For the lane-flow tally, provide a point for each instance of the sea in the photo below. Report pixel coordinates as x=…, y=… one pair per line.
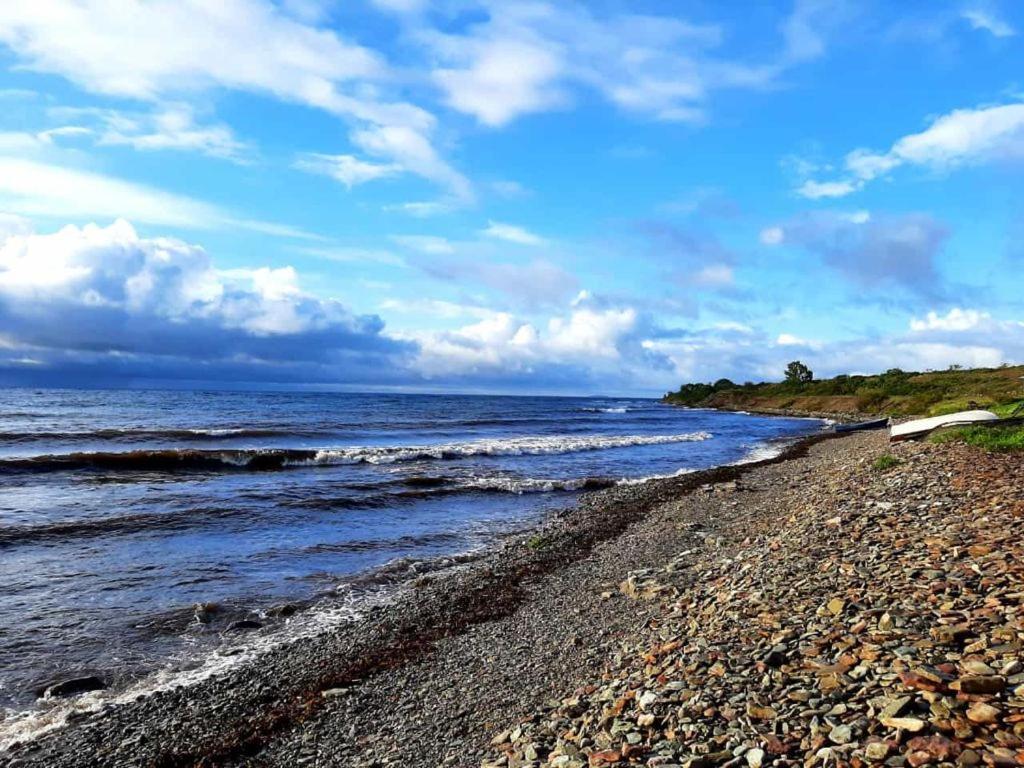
x=121, y=511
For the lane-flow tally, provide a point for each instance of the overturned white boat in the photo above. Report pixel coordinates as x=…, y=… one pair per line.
x=920, y=427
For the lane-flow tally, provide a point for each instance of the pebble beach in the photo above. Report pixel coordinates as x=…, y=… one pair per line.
x=808, y=609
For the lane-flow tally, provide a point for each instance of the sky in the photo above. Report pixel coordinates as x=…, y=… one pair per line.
x=507, y=196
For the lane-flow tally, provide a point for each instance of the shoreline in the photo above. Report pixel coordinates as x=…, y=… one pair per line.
x=838, y=417
x=401, y=631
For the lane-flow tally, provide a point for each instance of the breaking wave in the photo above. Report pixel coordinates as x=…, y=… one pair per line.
x=178, y=460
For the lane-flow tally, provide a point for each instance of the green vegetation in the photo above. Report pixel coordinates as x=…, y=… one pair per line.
x=884, y=462
x=991, y=438
x=798, y=373
x=895, y=392
x=539, y=541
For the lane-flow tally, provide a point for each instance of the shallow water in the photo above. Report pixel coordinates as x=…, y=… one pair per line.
x=119, y=510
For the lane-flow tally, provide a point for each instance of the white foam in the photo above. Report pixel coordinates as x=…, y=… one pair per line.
x=670, y=475
x=51, y=715
x=525, y=484
x=516, y=446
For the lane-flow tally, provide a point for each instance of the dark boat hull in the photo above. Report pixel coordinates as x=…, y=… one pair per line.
x=863, y=425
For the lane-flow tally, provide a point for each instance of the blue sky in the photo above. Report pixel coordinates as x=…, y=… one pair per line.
x=506, y=196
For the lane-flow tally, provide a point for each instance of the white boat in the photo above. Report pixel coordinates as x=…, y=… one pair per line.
x=919, y=427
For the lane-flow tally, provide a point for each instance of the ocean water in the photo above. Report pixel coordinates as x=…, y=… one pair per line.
x=120, y=510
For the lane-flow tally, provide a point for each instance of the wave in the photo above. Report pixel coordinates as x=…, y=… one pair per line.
x=178, y=460
x=536, y=485
x=151, y=434
x=621, y=409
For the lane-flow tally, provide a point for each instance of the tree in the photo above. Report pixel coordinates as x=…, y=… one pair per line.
x=798, y=373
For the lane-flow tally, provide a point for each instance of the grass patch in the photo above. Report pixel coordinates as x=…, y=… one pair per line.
x=539, y=541
x=1007, y=409
x=884, y=462
x=990, y=438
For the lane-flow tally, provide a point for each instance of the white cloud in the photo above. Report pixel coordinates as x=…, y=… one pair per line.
x=772, y=235
x=791, y=340
x=144, y=50
x=95, y=271
x=511, y=233
x=961, y=137
x=429, y=244
x=814, y=190
x=172, y=127
x=502, y=79
x=526, y=57
x=347, y=169
x=985, y=20
x=32, y=189
x=164, y=49
x=955, y=320
x=401, y=6
x=410, y=149
x=37, y=189
x=353, y=255
x=509, y=189
x=714, y=276
x=423, y=209
x=588, y=340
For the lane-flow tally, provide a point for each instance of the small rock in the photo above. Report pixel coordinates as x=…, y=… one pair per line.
x=911, y=724
x=755, y=757
x=982, y=713
x=74, y=687
x=841, y=734
x=243, y=624
x=877, y=751
x=981, y=684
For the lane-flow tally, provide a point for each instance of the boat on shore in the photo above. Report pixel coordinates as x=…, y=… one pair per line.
x=911, y=430
x=861, y=426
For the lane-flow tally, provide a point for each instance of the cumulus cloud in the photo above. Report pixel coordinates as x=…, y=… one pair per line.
x=962, y=337
x=955, y=320
x=108, y=297
x=588, y=344
x=961, y=137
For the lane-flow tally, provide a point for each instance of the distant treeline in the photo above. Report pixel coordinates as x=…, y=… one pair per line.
x=895, y=391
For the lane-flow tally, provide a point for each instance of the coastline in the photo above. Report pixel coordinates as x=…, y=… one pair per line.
x=806, y=609
x=839, y=417
x=403, y=629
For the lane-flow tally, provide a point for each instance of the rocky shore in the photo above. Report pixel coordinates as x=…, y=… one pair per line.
x=854, y=616
x=806, y=609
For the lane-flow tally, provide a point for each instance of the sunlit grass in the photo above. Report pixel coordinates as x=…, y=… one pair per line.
x=989, y=438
